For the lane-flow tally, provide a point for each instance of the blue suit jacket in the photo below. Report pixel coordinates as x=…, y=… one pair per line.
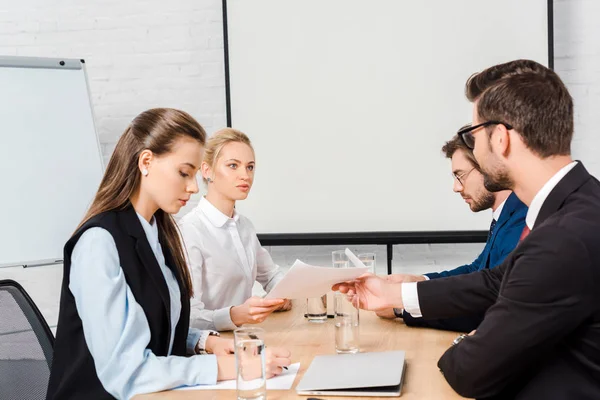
x=504, y=239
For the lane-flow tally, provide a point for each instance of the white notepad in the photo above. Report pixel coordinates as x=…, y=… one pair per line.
x=279, y=382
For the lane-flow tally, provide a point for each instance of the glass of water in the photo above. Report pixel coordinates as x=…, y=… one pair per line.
x=346, y=327
x=316, y=309
x=339, y=259
x=369, y=260
x=250, y=363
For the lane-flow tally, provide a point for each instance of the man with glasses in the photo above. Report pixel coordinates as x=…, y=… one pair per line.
x=508, y=220
x=540, y=337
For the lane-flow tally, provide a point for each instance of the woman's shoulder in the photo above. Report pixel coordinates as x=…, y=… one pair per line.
x=96, y=236
x=192, y=225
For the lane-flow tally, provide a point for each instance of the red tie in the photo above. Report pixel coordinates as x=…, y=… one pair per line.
x=524, y=233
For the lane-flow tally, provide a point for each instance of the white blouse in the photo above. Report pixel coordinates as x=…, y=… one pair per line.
x=225, y=258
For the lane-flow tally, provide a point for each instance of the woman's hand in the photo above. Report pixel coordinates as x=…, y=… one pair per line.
x=254, y=310
x=219, y=346
x=287, y=306
x=275, y=359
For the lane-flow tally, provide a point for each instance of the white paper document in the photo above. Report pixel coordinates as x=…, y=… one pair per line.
x=280, y=382
x=355, y=260
x=303, y=280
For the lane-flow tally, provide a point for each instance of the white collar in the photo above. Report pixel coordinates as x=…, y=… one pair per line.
x=214, y=215
x=540, y=197
x=498, y=210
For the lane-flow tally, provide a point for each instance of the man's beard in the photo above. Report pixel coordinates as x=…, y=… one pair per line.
x=498, y=183
x=486, y=201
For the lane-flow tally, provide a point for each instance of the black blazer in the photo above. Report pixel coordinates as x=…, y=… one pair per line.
x=73, y=374
x=540, y=338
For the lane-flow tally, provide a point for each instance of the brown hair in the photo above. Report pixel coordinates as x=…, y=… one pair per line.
x=531, y=98
x=156, y=130
x=219, y=139
x=456, y=143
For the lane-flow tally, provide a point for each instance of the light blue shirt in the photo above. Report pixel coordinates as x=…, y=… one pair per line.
x=115, y=327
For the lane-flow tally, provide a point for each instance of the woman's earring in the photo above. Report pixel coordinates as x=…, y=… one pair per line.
x=208, y=180
x=145, y=172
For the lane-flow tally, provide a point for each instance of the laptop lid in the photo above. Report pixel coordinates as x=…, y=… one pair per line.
x=362, y=374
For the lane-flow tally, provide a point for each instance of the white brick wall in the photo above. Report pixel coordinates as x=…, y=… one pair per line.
x=139, y=54
x=148, y=53
x=577, y=60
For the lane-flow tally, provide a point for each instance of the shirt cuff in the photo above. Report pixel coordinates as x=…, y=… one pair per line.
x=222, y=320
x=426, y=277
x=192, y=339
x=410, y=299
x=206, y=364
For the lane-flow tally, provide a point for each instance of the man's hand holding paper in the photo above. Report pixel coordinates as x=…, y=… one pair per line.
x=303, y=280
x=371, y=292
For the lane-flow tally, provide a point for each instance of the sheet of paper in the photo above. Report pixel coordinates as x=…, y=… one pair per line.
x=280, y=382
x=303, y=280
x=355, y=260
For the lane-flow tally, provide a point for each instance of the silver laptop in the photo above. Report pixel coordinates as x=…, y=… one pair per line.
x=362, y=374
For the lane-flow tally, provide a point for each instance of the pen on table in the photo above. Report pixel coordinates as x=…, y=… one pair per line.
x=254, y=337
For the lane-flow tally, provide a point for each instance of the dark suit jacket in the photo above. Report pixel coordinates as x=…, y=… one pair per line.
x=540, y=338
x=503, y=240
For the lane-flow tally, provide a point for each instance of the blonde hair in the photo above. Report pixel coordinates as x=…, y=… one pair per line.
x=218, y=140
x=157, y=130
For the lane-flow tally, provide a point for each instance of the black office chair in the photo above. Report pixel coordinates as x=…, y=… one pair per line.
x=26, y=345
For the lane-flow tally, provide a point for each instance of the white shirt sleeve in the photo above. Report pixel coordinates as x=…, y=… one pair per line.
x=200, y=317
x=267, y=272
x=116, y=329
x=410, y=299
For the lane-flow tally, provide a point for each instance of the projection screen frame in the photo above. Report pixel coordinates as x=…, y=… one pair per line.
x=368, y=238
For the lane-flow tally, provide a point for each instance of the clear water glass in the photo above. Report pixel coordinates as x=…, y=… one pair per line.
x=250, y=363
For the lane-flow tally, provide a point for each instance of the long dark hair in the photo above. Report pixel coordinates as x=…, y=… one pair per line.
x=155, y=130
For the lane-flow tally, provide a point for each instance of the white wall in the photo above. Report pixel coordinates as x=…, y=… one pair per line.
x=149, y=53
x=577, y=60
x=139, y=53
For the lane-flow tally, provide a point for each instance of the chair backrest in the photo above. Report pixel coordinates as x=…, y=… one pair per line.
x=26, y=345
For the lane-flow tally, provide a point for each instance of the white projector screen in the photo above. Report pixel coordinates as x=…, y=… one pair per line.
x=348, y=103
x=50, y=162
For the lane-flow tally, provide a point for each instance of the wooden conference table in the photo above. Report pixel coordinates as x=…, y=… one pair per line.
x=423, y=347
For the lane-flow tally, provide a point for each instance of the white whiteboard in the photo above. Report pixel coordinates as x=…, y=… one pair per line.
x=50, y=162
x=348, y=103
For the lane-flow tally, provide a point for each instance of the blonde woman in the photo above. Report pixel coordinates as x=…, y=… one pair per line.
x=123, y=325
x=224, y=253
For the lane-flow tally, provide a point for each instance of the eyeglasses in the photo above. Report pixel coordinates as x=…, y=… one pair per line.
x=466, y=134
x=462, y=177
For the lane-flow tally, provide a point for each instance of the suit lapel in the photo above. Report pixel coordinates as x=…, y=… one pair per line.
x=170, y=261
x=512, y=203
x=567, y=185
x=507, y=212
x=144, y=251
